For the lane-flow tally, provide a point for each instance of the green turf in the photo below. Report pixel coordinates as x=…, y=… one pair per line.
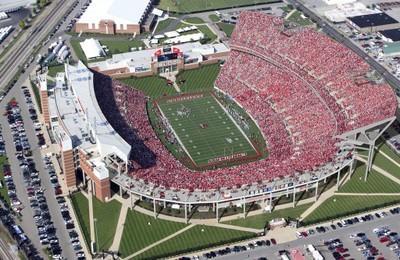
x=384, y=148
x=194, y=239
x=187, y=6
x=286, y=8
x=220, y=138
x=152, y=86
x=296, y=18
x=341, y=206
x=161, y=25
x=53, y=70
x=81, y=208
x=260, y=221
x=78, y=50
x=207, y=32
x=227, y=28
x=107, y=214
x=194, y=20
x=116, y=47
x=384, y=163
x=199, y=79
x=139, y=234
x=214, y=18
x=376, y=183
x=3, y=191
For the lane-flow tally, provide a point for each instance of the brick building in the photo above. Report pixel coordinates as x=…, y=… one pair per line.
x=161, y=60
x=88, y=144
x=115, y=17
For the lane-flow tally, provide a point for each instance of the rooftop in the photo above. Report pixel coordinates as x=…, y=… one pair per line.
x=371, y=20
x=393, y=34
x=120, y=11
x=392, y=47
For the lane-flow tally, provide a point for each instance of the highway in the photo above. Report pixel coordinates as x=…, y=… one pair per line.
x=32, y=37
x=333, y=32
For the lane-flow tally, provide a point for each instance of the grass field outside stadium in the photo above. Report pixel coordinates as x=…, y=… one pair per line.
x=205, y=130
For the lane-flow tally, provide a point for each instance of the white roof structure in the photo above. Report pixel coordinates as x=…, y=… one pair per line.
x=157, y=12
x=107, y=139
x=172, y=34
x=138, y=60
x=92, y=48
x=185, y=38
x=336, y=2
x=120, y=11
x=12, y=5
x=348, y=10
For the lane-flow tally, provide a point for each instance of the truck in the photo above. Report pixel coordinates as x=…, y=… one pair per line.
x=57, y=48
x=49, y=59
x=51, y=47
x=64, y=55
x=63, y=48
x=39, y=59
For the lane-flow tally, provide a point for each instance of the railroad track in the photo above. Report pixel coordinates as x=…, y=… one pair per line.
x=11, y=63
x=5, y=251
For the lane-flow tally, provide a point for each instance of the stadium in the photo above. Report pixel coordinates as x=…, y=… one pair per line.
x=315, y=103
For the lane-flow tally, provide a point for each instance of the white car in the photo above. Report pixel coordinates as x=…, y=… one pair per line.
x=395, y=247
x=376, y=230
x=299, y=235
x=353, y=236
x=361, y=248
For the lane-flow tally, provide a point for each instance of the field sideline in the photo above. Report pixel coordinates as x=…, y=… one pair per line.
x=205, y=130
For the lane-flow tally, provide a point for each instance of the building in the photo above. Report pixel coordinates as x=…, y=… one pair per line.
x=391, y=49
x=92, y=49
x=161, y=60
x=336, y=2
x=87, y=143
x=339, y=14
x=115, y=17
x=390, y=35
x=8, y=6
x=372, y=22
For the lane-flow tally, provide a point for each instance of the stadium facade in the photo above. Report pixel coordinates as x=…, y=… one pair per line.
x=161, y=60
x=314, y=119
x=115, y=17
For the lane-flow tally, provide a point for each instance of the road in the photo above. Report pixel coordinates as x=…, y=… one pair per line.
x=31, y=38
x=331, y=31
x=317, y=240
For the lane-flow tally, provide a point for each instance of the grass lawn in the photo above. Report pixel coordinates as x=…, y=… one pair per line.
x=376, y=183
x=214, y=18
x=3, y=191
x=153, y=86
x=81, y=207
x=195, y=239
x=199, y=79
x=220, y=137
x=37, y=96
x=139, y=234
x=186, y=6
x=116, y=47
x=286, y=8
x=194, y=20
x=384, y=148
x=207, y=32
x=260, y=221
x=341, y=206
x=227, y=28
x=163, y=24
x=78, y=50
x=387, y=165
x=53, y=70
x=296, y=18
x=107, y=214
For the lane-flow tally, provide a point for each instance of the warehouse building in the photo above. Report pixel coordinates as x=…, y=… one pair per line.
x=116, y=17
x=390, y=35
x=8, y=6
x=391, y=49
x=372, y=22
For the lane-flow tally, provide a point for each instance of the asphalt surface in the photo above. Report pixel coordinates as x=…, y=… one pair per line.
x=392, y=221
x=32, y=38
x=28, y=223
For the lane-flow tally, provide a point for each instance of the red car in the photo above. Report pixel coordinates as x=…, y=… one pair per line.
x=383, y=239
x=304, y=234
x=57, y=191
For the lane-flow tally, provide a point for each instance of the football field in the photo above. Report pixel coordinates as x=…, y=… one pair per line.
x=205, y=130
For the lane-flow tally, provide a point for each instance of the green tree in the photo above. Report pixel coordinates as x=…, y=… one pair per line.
x=43, y=2
x=22, y=24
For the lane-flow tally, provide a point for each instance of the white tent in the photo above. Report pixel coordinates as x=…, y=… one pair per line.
x=92, y=48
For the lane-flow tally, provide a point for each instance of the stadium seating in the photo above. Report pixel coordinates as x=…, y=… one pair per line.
x=295, y=85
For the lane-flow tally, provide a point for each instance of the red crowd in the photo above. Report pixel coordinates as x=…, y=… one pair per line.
x=295, y=85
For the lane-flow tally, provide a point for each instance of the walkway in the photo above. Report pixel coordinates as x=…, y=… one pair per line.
x=380, y=170
x=119, y=229
x=322, y=197
x=160, y=241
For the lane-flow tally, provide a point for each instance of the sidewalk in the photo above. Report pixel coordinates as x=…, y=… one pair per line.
x=160, y=241
x=119, y=229
x=381, y=171
x=322, y=197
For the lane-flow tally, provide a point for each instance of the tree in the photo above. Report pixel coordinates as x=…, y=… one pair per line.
x=43, y=2
x=22, y=24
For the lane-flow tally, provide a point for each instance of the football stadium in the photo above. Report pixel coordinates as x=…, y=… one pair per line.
x=314, y=102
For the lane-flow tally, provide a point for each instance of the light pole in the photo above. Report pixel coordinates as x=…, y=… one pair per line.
x=95, y=232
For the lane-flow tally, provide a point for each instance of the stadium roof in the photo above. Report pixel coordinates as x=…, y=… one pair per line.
x=107, y=139
x=92, y=48
x=370, y=20
x=393, y=34
x=120, y=11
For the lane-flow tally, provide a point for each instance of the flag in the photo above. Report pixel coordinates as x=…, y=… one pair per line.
x=158, y=53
